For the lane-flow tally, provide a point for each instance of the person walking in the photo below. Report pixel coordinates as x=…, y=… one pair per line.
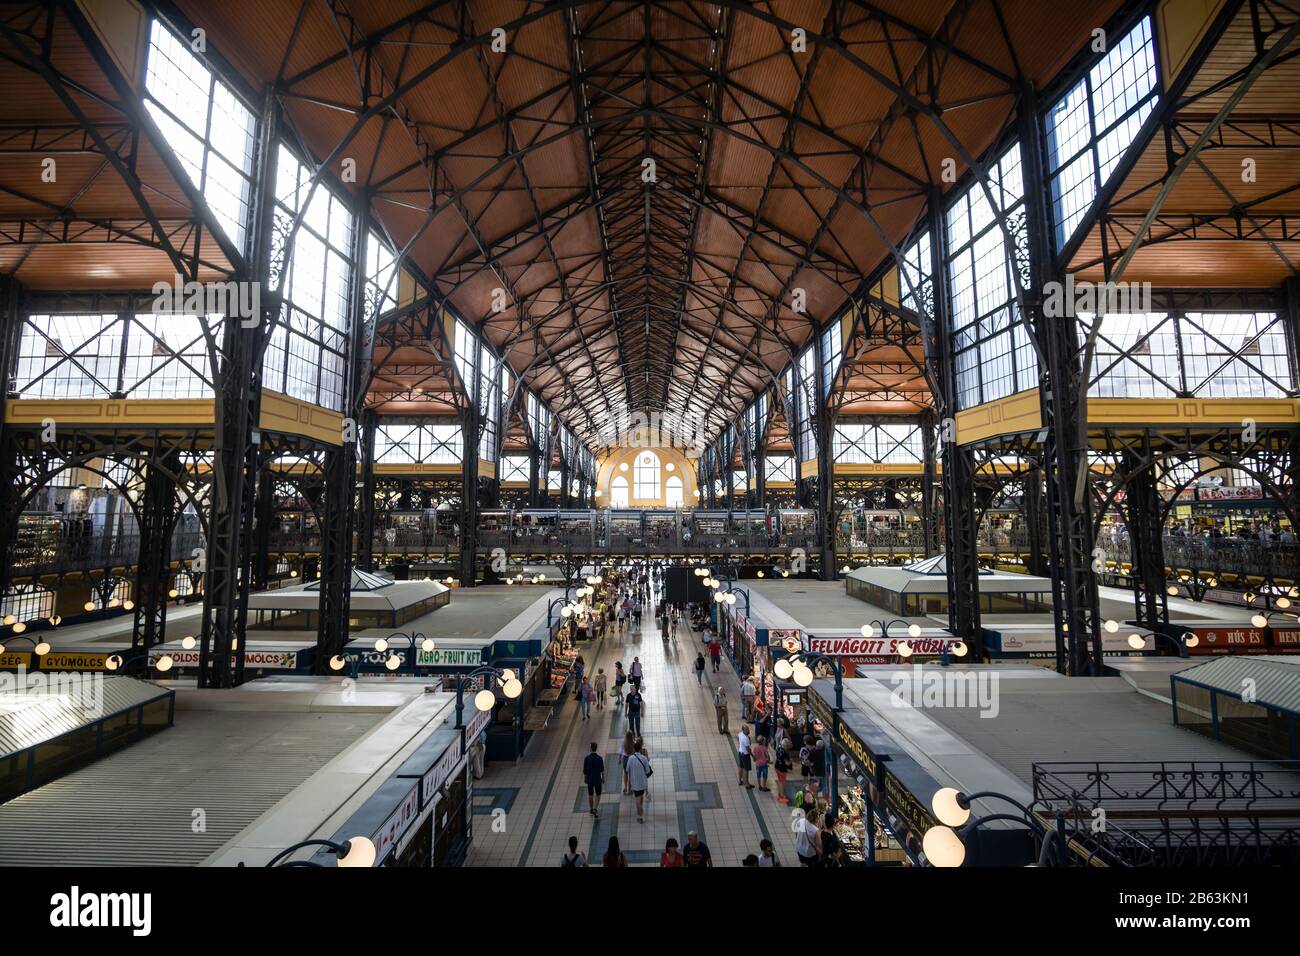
x=579, y=672
x=699, y=669
x=613, y=854
x=782, y=763
x=806, y=836
x=696, y=851
x=593, y=771
x=720, y=706
x=747, y=699
x=620, y=679
x=715, y=654
x=634, y=673
x=627, y=749
x=602, y=684
x=633, y=707
x=761, y=757
x=744, y=759
x=639, y=772
x=767, y=855
x=587, y=694
x=671, y=856
x=573, y=857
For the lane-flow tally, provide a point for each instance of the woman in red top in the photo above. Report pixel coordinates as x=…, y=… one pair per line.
x=671, y=855
x=761, y=756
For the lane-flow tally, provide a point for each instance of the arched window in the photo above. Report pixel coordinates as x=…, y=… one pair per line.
x=647, y=476
x=673, y=494
x=618, y=492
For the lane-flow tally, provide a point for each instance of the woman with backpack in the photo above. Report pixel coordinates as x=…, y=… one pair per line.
x=573, y=857
x=619, y=680
x=781, y=764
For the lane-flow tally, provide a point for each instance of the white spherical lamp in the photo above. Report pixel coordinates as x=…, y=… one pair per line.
x=485, y=700
x=360, y=854
x=947, y=807
x=943, y=847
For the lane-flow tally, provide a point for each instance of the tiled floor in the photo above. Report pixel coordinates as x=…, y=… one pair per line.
x=693, y=786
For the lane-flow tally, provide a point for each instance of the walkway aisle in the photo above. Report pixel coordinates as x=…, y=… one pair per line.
x=693, y=787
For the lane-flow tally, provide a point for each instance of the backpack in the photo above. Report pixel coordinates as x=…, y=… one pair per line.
x=805, y=756
x=567, y=860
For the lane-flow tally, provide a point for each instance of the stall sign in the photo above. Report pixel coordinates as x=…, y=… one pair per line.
x=1228, y=493
x=822, y=710
x=269, y=660
x=1286, y=637
x=397, y=823
x=476, y=725
x=779, y=636
x=856, y=749
x=12, y=660
x=868, y=646
x=900, y=800
x=72, y=661
x=443, y=770
x=450, y=657
x=1228, y=640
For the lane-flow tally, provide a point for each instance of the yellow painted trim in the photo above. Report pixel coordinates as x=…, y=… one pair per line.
x=487, y=469
x=114, y=412
x=808, y=469
x=1020, y=412
x=879, y=468
x=292, y=416
x=1180, y=25
x=1193, y=411
x=398, y=468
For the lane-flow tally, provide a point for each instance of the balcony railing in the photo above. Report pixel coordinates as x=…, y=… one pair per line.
x=51, y=552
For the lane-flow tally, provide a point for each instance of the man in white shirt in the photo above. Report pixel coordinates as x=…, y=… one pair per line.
x=744, y=759
x=638, y=778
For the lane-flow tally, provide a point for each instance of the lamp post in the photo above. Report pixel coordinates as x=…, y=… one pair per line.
x=39, y=647
x=945, y=844
x=486, y=698
x=353, y=853
x=904, y=649
x=1181, y=643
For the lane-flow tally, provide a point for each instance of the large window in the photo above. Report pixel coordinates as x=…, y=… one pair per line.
x=1095, y=123
x=381, y=275
x=205, y=124
x=806, y=405
x=81, y=356
x=489, y=403
x=69, y=356
x=914, y=276
x=646, y=476
x=618, y=496
x=780, y=468
x=993, y=352
x=514, y=468
x=863, y=443
x=306, y=355
x=417, y=443
x=1206, y=354
x=674, y=496
x=832, y=353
